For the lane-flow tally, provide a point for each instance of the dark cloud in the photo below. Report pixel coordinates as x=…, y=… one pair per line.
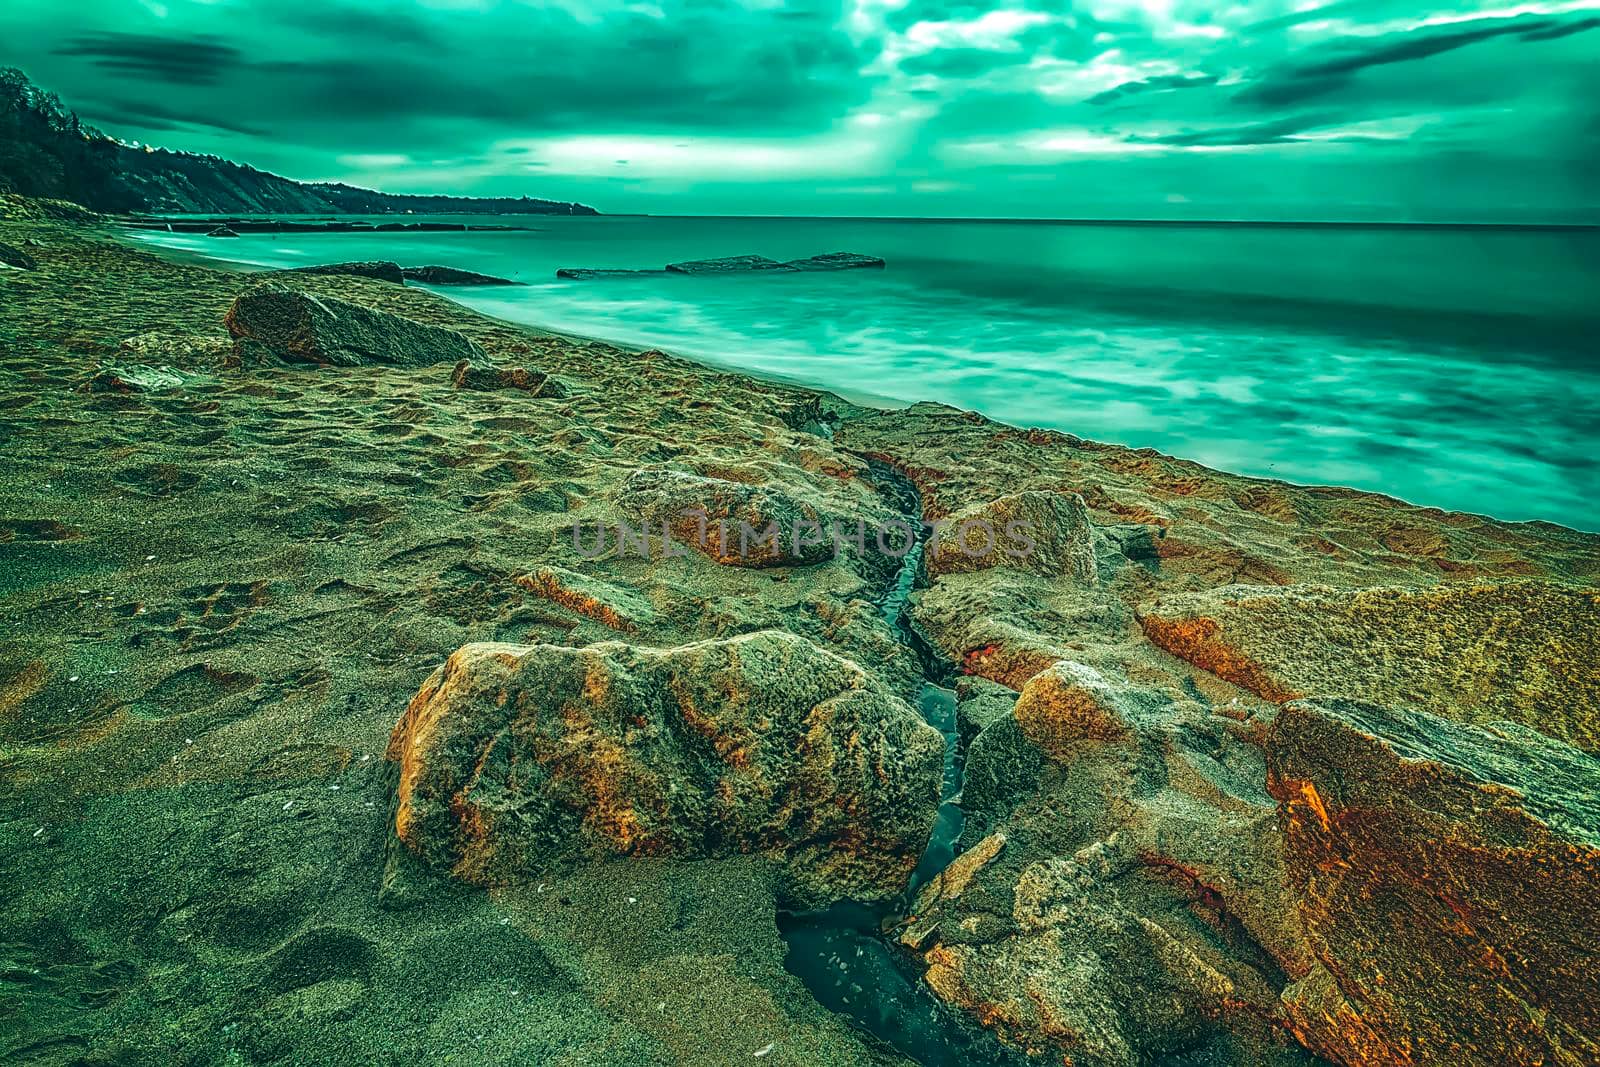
x=1277, y=131
x=1164, y=84
x=1303, y=80
x=176, y=61
x=155, y=117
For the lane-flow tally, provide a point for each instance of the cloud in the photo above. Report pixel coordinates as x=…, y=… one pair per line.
x=1299, y=80
x=1163, y=84
x=187, y=61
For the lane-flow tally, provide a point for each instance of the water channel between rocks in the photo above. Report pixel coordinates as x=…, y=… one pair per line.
x=842, y=954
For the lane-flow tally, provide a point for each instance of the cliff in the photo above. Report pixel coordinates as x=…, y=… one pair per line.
x=46, y=151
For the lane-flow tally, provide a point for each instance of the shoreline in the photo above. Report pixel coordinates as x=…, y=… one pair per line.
x=856, y=398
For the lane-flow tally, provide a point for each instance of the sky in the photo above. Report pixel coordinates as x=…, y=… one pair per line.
x=976, y=108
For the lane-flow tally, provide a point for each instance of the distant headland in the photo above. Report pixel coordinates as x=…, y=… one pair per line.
x=61, y=157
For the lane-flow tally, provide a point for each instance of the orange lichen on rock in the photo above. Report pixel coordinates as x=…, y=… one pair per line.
x=1200, y=642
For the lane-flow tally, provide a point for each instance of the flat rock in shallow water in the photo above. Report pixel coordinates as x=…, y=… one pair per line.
x=586, y=274
x=729, y=265
x=1446, y=877
x=515, y=759
x=330, y=332
x=434, y=275
x=382, y=270
x=836, y=261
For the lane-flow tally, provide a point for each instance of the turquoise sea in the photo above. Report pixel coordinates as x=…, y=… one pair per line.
x=1452, y=367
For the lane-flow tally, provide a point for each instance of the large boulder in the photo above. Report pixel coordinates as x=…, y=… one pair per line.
x=1447, y=879
x=516, y=759
x=381, y=269
x=327, y=331
x=1045, y=533
x=1121, y=900
x=1471, y=652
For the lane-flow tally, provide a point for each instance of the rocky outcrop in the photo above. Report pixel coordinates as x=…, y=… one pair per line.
x=732, y=265
x=15, y=258
x=516, y=759
x=1122, y=897
x=1446, y=880
x=1470, y=652
x=1062, y=957
x=435, y=275
x=1046, y=533
x=836, y=261
x=470, y=375
x=729, y=265
x=585, y=274
x=380, y=269
x=276, y=322
x=737, y=524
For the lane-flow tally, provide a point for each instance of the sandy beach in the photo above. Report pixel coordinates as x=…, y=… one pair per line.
x=224, y=584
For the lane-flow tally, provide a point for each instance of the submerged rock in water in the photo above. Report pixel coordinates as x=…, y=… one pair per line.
x=1470, y=652
x=836, y=261
x=517, y=758
x=330, y=332
x=1447, y=882
x=16, y=258
x=470, y=375
x=382, y=270
x=729, y=265
x=435, y=275
x=595, y=273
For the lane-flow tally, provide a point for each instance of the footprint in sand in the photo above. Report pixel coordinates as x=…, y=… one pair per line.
x=192, y=689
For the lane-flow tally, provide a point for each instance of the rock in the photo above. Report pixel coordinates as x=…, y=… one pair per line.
x=139, y=378
x=1468, y=652
x=327, y=331
x=223, y=231
x=1144, y=822
x=623, y=610
x=178, y=349
x=470, y=375
x=382, y=270
x=1045, y=533
x=836, y=261
x=729, y=265
x=979, y=704
x=734, y=523
x=433, y=275
x=515, y=759
x=1059, y=958
x=594, y=274
x=1447, y=883
x=15, y=258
